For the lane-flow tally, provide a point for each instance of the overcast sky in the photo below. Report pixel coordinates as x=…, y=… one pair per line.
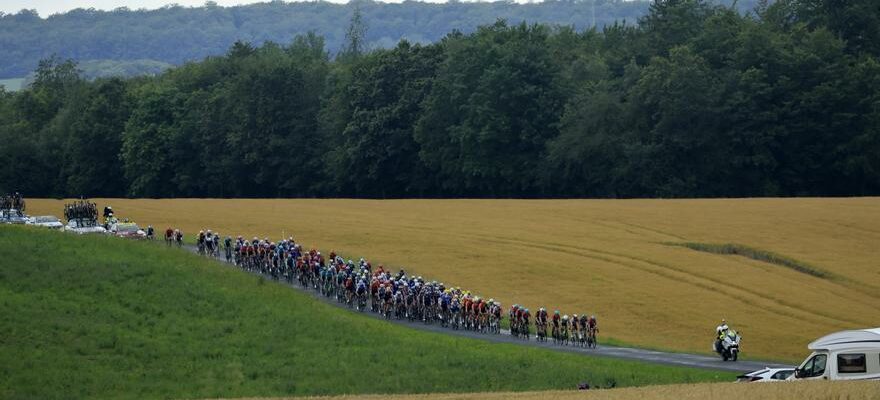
x=48, y=7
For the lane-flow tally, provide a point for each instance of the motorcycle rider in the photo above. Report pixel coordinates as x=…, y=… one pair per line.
x=720, y=331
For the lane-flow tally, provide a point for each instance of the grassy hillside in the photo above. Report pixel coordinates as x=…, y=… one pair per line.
x=624, y=260
x=97, y=317
x=784, y=391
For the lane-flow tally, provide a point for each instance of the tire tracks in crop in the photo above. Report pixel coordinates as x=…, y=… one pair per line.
x=667, y=271
x=624, y=353
x=701, y=281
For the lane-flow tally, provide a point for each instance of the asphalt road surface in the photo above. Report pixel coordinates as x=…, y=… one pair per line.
x=626, y=353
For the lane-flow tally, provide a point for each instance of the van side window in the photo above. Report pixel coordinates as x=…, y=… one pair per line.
x=851, y=363
x=815, y=367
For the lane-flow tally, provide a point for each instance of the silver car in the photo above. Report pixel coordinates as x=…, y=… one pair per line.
x=12, y=216
x=84, y=226
x=46, y=221
x=766, y=375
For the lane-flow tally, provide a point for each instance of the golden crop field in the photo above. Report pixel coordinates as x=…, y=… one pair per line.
x=611, y=258
x=815, y=390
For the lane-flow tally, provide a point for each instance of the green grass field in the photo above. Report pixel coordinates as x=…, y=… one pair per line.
x=99, y=317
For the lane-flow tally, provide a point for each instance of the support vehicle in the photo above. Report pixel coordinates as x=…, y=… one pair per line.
x=46, y=221
x=12, y=216
x=82, y=226
x=845, y=355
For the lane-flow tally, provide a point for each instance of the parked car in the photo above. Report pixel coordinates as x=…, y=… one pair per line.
x=84, y=226
x=46, y=221
x=766, y=375
x=845, y=355
x=12, y=216
x=127, y=230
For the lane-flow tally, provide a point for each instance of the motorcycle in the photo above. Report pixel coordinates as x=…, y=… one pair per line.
x=728, y=345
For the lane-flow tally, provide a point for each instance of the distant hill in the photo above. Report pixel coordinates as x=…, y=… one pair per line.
x=176, y=34
x=94, y=69
x=12, y=84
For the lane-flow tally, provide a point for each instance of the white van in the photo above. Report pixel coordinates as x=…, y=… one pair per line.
x=843, y=355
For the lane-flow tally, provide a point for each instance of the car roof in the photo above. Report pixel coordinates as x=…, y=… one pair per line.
x=767, y=370
x=847, y=339
x=758, y=372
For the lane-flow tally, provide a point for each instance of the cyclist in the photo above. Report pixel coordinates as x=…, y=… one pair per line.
x=228, y=247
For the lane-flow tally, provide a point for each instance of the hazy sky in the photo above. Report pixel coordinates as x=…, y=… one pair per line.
x=48, y=7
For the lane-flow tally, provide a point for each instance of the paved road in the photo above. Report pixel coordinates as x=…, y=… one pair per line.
x=626, y=353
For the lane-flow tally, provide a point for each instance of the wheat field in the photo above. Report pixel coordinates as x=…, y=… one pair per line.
x=815, y=390
x=618, y=259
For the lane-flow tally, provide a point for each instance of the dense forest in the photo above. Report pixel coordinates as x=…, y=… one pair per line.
x=695, y=100
x=176, y=34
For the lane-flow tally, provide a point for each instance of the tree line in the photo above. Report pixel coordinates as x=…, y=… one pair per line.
x=695, y=100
